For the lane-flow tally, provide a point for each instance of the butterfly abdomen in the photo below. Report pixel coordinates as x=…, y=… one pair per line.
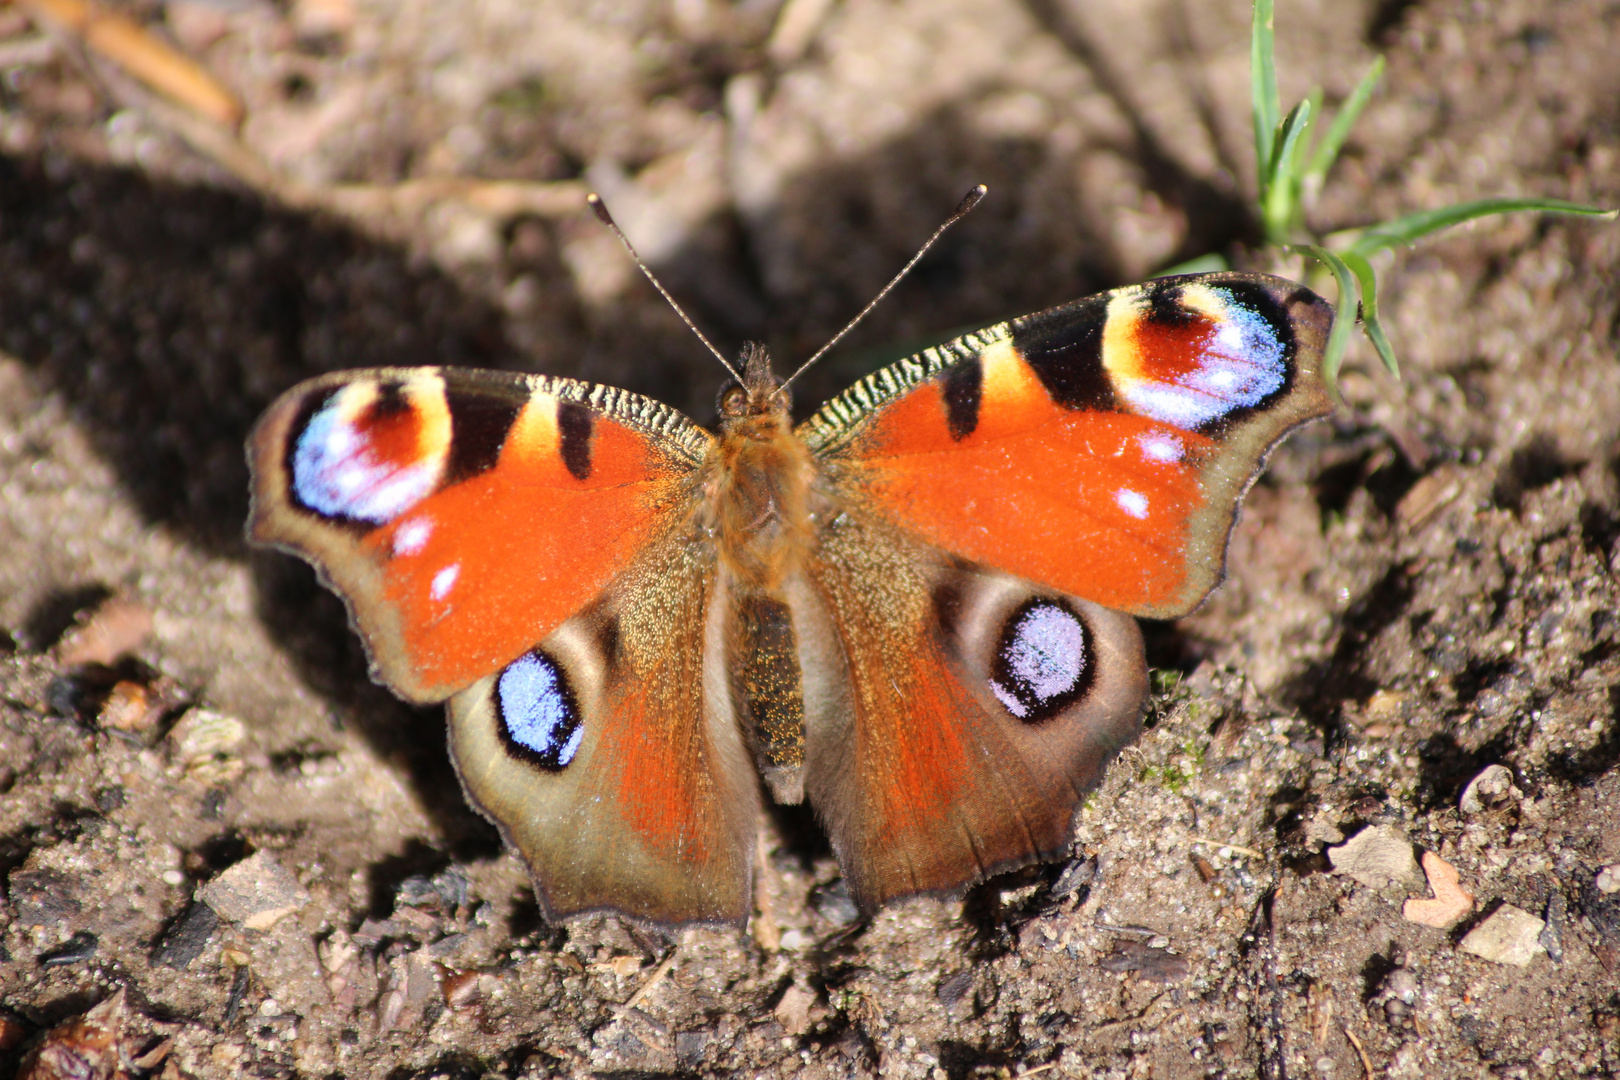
x=767, y=689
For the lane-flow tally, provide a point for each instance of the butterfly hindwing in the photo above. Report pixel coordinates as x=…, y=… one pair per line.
x=955, y=716
x=1101, y=447
x=609, y=757
x=463, y=515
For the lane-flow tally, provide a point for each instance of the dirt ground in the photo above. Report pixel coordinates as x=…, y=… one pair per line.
x=1420, y=588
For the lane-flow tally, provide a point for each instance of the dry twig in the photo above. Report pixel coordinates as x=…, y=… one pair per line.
x=136, y=50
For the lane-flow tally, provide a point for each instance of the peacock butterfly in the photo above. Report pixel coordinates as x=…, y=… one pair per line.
x=915, y=609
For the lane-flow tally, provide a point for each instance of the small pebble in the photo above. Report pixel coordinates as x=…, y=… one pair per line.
x=186, y=937
x=793, y=1011
x=955, y=988
x=1509, y=936
x=1552, y=935
x=1491, y=789
x=203, y=733
x=256, y=892
x=833, y=903
x=1075, y=876
x=1402, y=984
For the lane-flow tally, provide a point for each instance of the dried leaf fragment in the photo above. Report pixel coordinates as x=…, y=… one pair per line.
x=1451, y=901
x=83, y=1048
x=1376, y=856
x=1509, y=936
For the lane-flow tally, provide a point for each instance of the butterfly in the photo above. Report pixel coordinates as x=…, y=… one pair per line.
x=915, y=609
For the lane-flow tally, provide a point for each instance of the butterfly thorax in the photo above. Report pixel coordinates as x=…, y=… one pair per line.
x=758, y=486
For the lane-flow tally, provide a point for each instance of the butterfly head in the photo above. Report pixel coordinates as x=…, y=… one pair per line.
x=757, y=403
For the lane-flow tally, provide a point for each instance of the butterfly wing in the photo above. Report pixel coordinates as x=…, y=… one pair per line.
x=525, y=547
x=1101, y=447
x=955, y=716
x=464, y=515
x=1076, y=464
x=609, y=757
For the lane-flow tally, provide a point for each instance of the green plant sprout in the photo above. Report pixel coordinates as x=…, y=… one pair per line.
x=1292, y=163
x=1172, y=775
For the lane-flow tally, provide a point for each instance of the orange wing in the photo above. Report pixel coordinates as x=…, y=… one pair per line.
x=464, y=515
x=954, y=716
x=609, y=758
x=1101, y=447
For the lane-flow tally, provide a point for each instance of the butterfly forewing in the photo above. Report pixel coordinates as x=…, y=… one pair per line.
x=1101, y=447
x=463, y=515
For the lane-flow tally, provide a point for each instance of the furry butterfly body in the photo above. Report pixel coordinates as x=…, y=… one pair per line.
x=914, y=609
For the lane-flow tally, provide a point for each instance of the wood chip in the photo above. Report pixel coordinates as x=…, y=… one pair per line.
x=796, y=27
x=1426, y=498
x=129, y=45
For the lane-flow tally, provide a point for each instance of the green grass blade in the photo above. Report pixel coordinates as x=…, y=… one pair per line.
x=1327, y=151
x=1263, y=87
x=1311, y=135
x=1405, y=230
x=1363, y=270
x=1344, y=315
x=1202, y=264
x=1281, y=185
x=1303, y=189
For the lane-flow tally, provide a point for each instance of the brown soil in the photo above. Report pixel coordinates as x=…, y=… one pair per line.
x=1421, y=587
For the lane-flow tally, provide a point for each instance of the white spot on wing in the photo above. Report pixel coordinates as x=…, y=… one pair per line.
x=1161, y=447
x=1133, y=503
x=444, y=581
x=1007, y=698
x=1042, y=658
x=537, y=712
x=411, y=537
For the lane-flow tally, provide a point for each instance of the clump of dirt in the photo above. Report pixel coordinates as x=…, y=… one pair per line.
x=210, y=809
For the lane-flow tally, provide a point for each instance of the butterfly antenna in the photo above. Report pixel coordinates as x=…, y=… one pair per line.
x=969, y=201
x=599, y=208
